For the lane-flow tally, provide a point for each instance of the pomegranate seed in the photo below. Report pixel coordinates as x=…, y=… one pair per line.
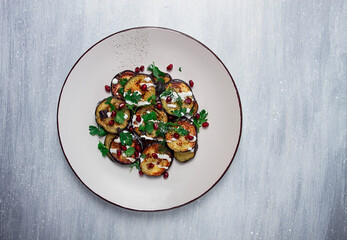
x=138, y=148
x=190, y=137
x=169, y=67
x=137, y=69
x=124, y=148
x=176, y=135
x=131, y=129
x=197, y=116
x=155, y=126
x=119, y=153
x=121, y=105
x=107, y=88
x=113, y=114
x=154, y=155
x=168, y=99
x=188, y=100
x=144, y=87
x=150, y=165
x=142, y=68
x=137, y=154
x=205, y=124
x=166, y=175
x=159, y=106
x=140, y=173
x=111, y=122
x=138, y=118
x=191, y=83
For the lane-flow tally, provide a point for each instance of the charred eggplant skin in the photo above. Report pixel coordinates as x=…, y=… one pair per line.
x=104, y=122
x=156, y=166
x=185, y=156
x=107, y=142
x=182, y=144
x=115, y=85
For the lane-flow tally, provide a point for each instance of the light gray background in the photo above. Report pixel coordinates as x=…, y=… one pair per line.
x=289, y=62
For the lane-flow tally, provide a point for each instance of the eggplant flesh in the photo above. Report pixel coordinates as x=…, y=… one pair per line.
x=135, y=84
x=115, y=85
x=105, y=122
x=182, y=144
x=152, y=166
x=186, y=156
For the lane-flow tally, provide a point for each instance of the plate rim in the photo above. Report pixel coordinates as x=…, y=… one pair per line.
x=197, y=41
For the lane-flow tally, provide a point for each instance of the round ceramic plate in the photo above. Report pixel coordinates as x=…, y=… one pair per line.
x=214, y=90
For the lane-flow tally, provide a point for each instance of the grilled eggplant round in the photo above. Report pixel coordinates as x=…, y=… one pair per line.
x=180, y=94
x=155, y=165
x=107, y=142
x=118, y=154
x=115, y=84
x=103, y=115
x=160, y=115
x=136, y=83
x=167, y=78
x=185, y=156
x=182, y=143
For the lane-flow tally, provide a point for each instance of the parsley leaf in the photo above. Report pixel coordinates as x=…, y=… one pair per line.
x=108, y=102
x=149, y=116
x=97, y=131
x=132, y=108
x=152, y=99
x=201, y=120
x=149, y=127
x=156, y=72
x=180, y=69
x=167, y=92
x=181, y=131
x=133, y=97
x=103, y=149
x=135, y=164
x=121, y=91
x=130, y=151
x=179, y=112
x=162, y=147
x=126, y=138
x=123, y=81
x=142, y=128
x=120, y=117
x=143, y=155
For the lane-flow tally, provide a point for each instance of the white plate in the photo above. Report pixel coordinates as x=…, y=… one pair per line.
x=214, y=90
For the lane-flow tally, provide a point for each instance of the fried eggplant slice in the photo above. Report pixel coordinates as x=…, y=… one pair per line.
x=136, y=94
x=186, y=156
x=112, y=122
x=177, y=98
x=182, y=143
x=116, y=85
x=155, y=159
x=150, y=115
x=125, y=153
x=107, y=142
x=167, y=78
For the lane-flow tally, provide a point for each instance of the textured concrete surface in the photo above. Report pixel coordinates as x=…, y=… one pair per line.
x=288, y=180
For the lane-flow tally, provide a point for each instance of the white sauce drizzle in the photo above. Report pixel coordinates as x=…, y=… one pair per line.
x=125, y=116
x=164, y=156
x=147, y=79
x=109, y=114
x=117, y=140
x=193, y=140
x=114, y=81
x=135, y=123
x=148, y=138
x=172, y=105
x=148, y=84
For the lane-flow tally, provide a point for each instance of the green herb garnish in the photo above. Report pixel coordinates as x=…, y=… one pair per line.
x=97, y=131
x=120, y=117
x=103, y=149
x=108, y=102
x=181, y=131
x=143, y=155
x=149, y=116
x=130, y=151
x=135, y=164
x=151, y=99
x=180, y=69
x=133, y=97
x=121, y=91
x=149, y=127
x=156, y=72
x=126, y=138
x=201, y=120
x=123, y=81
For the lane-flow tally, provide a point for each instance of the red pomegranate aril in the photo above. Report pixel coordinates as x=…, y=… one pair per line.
x=144, y=87
x=137, y=154
x=140, y=173
x=197, y=116
x=142, y=68
x=190, y=137
x=191, y=83
x=154, y=155
x=188, y=100
x=168, y=99
x=121, y=105
x=169, y=67
x=166, y=175
x=119, y=153
x=111, y=123
x=205, y=124
x=113, y=114
x=107, y=88
x=124, y=148
x=176, y=135
x=138, y=118
x=155, y=126
x=131, y=129
x=159, y=106
x=137, y=69
x=150, y=165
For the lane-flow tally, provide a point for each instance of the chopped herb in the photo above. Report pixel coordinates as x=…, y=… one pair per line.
x=136, y=165
x=149, y=127
x=142, y=128
x=133, y=97
x=108, y=102
x=179, y=112
x=143, y=155
x=126, y=138
x=201, y=120
x=162, y=148
x=181, y=131
x=167, y=92
x=130, y=151
x=180, y=69
x=123, y=81
x=152, y=99
x=149, y=116
x=156, y=72
x=120, y=117
x=97, y=131
x=103, y=149
x=132, y=108
x=121, y=91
